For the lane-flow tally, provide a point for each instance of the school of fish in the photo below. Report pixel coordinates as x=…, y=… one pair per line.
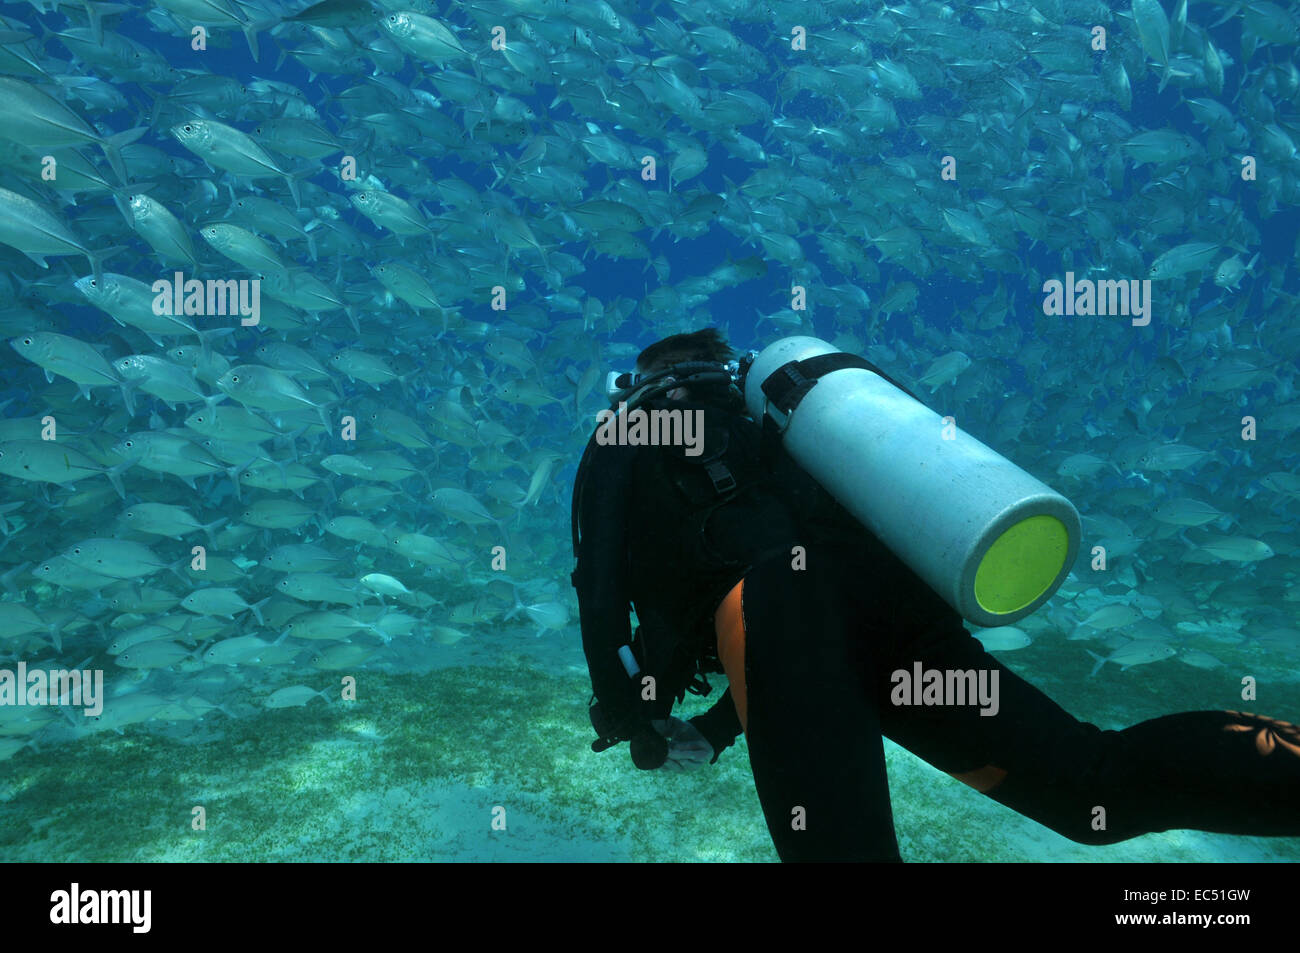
x=228, y=515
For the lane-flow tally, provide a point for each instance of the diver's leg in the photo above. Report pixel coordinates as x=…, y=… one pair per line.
x=814, y=739
x=1226, y=772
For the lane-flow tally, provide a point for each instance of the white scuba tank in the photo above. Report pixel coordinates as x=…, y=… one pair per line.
x=989, y=538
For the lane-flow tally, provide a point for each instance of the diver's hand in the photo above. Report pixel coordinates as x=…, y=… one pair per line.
x=687, y=748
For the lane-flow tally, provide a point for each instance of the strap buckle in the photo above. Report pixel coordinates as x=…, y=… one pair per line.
x=723, y=479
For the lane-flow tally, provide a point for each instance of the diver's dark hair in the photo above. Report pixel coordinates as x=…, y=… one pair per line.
x=707, y=344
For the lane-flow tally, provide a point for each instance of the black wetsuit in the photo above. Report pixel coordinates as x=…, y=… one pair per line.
x=822, y=639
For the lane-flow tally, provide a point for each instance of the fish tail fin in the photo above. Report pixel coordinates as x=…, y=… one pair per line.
x=176, y=569
x=402, y=382
x=209, y=528
x=256, y=609
x=114, y=475
x=7, y=578
x=324, y=416
x=235, y=473
x=96, y=21
x=289, y=441
x=128, y=395
x=1100, y=662
x=121, y=198
x=112, y=147
x=250, y=34
x=205, y=338
x=95, y=259
x=213, y=399
x=1231, y=12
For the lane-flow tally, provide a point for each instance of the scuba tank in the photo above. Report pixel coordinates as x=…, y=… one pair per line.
x=989, y=538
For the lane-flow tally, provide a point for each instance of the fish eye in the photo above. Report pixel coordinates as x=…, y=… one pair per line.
x=27, y=340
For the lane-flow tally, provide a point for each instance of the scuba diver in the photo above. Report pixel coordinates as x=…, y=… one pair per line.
x=737, y=561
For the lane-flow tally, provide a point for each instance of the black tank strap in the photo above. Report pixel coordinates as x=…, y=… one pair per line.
x=789, y=384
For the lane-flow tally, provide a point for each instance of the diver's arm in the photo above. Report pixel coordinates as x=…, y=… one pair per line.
x=601, y=504
x=720, y=725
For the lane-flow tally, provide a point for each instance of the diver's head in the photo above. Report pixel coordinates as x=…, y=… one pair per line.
x=705, y=345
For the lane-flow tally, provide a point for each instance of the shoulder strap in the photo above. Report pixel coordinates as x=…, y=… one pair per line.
x=788, y=384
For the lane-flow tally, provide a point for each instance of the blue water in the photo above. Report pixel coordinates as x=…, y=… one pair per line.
x=479, y=750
